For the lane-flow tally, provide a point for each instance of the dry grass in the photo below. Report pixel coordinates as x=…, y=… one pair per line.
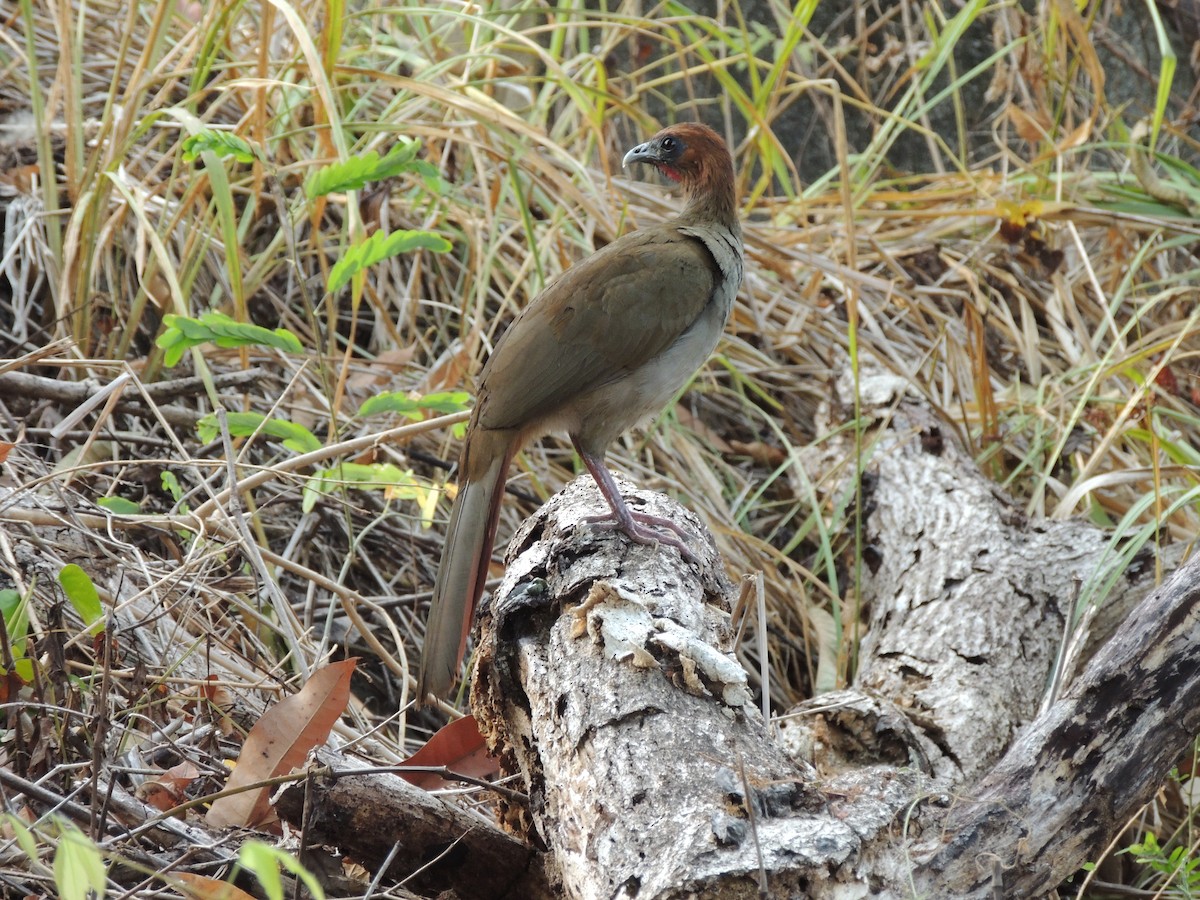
x=1041, y=293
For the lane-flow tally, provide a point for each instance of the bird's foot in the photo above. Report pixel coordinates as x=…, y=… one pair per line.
x=643, y=528
x=640, y=527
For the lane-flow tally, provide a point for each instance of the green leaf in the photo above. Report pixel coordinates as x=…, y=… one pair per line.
x=183, y=333
x=397, y=483
x=222, y=143
x=316, y=487
x=1166, y=70
x=431, y=175
x=442, y=402
x=83, y=596
x=381, y=246
x=372, y=474
x=79, y=872
x=170, y=484
x=16, y=620
x=446, y=402
x=244, y=424
x=393, y=402
x=25, y=839
x=119, y=506
x=358, y=171
x=265, y=861
x=9, y=601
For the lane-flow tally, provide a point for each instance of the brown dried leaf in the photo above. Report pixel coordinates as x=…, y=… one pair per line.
x=449, y=374
x=1166, y=380
x=280, y=740
x=211, y=692
x=381, y=373
x=209, y=697
x=1031, y=128
x=458, y=746
x=200, y=887
x=167, y=790
x=355, y=871
x=697, y=425
x=22, y=178
x=763, y=454
x=1078, y=137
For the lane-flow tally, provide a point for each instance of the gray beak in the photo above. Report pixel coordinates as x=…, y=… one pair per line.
x=641, y=153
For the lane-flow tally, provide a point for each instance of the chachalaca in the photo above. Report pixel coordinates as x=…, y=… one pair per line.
x=604, y=346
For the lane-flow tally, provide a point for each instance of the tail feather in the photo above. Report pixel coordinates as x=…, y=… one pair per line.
x=464, y=565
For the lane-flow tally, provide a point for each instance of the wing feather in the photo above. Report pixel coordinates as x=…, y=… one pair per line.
x=603, y=318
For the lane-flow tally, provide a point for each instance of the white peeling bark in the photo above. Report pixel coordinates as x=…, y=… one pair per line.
x=650, y=771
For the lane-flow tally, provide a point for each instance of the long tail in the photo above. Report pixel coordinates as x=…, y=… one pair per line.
x=465, y=555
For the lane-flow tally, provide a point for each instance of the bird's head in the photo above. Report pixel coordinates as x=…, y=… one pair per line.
x=688, y=153
x=695, y=157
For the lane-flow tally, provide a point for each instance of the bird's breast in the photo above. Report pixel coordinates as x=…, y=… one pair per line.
x=597, y=418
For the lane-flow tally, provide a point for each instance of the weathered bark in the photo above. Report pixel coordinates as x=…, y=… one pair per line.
x=632, y=732
x=967, y=595
x=1076, y=776
x=968, y=598
x=650, y=771
x=375, y=815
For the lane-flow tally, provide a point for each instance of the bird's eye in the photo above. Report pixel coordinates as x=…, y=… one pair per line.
x=670, y=145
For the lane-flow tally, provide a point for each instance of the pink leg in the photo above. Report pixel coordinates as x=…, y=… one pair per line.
x=638, y=526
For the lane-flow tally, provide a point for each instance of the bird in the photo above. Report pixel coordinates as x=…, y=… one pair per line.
x=604, y=346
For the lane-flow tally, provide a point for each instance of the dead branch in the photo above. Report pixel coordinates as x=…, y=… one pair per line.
x=25, y=386
x=1077, y=774
x=376, y=816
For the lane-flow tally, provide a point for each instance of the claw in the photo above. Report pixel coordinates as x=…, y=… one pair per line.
x=638, y=526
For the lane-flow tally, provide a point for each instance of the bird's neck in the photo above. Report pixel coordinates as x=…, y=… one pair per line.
x=711, y=198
